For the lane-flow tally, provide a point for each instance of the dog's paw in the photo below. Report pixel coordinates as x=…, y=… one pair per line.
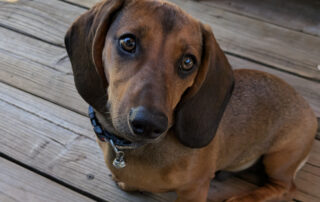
x=239, y=199
x=114, y=178
x=248, y=198
x=123, y=186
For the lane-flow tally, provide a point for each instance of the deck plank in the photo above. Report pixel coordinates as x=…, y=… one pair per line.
x=61, y=143
x=307, y=183
x=43, y=70
x=302, y=16
x=58, y=142
x=39, y=68
x=85, y=3
x=18, y=184
x=46, y=20
x=261, y=41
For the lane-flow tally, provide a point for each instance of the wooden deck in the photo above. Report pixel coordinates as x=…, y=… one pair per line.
x=47, y=147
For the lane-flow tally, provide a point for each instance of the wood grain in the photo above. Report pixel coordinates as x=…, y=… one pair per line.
x=61, y=143
x=279, y=47
x=84, y=3
x=302, y=16
x=260, y=41
x=18, y=184
x=58, y=142
x=46, y=20
x=39, y=68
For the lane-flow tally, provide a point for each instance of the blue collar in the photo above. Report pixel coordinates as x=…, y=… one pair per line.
x=104, y=135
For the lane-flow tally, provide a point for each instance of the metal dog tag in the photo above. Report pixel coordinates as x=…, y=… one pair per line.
x=118, y=162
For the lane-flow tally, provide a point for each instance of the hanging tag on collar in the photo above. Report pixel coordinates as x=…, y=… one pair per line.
x=118, y=162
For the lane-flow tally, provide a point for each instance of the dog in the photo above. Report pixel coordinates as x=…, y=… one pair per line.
x=158, y=80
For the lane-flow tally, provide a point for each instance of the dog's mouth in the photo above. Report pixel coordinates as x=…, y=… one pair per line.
x=120, y=142
x=105, y=136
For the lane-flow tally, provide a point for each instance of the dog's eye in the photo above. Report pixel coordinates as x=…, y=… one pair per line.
x=187, y=63
x=128, y=43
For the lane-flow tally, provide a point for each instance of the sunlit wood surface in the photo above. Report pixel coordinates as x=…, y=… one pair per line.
x=47, y=147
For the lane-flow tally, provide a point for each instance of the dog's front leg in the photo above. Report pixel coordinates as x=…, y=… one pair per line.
x=194, y=192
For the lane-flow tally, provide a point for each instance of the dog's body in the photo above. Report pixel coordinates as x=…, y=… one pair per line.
x=212, y=118
x=245, y=134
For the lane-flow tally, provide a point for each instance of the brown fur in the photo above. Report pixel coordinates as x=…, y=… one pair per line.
x=219, y=119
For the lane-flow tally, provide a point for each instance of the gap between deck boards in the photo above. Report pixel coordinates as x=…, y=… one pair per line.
x=47, y=176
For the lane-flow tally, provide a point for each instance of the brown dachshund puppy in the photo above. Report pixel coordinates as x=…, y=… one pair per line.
x=157, y=79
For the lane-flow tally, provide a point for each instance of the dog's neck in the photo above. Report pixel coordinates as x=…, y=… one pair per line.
x=156, y=152
x=106, y=133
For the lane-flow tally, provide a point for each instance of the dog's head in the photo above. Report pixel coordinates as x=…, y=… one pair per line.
x=150, y=67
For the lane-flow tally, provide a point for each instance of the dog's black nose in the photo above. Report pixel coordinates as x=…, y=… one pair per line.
x=146, y=123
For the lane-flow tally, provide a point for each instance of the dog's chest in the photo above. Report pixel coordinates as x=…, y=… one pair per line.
x=153, y=170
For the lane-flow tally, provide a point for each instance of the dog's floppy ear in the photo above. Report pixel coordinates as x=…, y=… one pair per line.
x=84, y=43
x=201, y=108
